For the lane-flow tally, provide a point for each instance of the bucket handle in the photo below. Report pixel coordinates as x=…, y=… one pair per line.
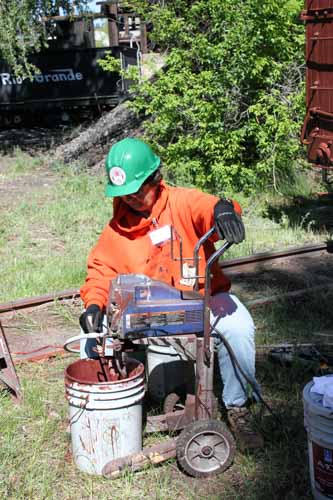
x=77, y=338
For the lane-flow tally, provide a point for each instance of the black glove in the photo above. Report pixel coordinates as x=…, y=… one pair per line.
x=92, y=318
x=228, y=223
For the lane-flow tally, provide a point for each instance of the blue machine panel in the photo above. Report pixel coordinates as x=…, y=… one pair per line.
x=153, y=308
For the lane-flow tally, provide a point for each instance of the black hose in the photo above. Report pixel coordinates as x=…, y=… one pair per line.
x=235, y=365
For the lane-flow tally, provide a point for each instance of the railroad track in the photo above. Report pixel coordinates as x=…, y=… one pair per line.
x=239, y=265
x=299, y=270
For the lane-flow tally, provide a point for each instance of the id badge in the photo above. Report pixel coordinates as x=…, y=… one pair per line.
x=160, y=235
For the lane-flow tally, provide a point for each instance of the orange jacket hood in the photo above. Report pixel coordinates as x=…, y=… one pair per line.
x=126, y=221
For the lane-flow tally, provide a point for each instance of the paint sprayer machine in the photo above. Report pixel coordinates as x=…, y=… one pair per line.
x=105, y=394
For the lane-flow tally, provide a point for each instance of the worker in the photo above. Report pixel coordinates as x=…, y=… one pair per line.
x=137, y=240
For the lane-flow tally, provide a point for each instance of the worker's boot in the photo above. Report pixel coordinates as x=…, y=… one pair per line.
x=244, y=427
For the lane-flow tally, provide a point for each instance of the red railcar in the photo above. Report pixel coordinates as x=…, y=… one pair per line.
x=317, y=133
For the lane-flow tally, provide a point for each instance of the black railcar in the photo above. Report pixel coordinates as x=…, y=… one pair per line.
x=69, y=83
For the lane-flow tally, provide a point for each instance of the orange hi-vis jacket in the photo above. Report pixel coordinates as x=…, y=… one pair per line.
x=127, y=244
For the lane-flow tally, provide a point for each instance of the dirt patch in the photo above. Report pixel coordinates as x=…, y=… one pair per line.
x=19, y=187
x=42, y=329
x=282, y=276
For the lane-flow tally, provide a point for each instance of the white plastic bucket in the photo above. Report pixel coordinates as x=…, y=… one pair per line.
x=167, y=372
x=318, y=422
x=105, y=417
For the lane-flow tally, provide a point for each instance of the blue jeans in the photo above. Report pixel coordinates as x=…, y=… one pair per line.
x=230, y=318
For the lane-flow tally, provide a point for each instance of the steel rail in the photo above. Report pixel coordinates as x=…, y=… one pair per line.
x=38, y=300
x=226, y=264
x=279, y=254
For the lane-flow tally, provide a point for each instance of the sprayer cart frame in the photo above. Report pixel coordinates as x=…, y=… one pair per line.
x=205, y=446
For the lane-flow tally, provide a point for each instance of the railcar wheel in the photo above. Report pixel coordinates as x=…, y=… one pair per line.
x=205, y=448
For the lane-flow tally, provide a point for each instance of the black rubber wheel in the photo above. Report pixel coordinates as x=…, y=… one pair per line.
x=205, y=448
x=173, y=402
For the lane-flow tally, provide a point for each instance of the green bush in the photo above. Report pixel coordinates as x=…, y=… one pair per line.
x=226, y=111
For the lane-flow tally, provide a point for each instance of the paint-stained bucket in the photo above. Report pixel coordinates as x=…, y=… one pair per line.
x=105, y=417
x=318, y=421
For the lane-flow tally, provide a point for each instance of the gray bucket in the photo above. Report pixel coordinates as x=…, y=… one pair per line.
x=318, y=422
x=168, y=373
x=105, y=417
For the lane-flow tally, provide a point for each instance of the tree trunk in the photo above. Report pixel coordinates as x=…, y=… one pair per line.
x=91, y=146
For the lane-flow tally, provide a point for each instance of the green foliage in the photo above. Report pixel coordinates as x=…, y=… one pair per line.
x=227, y=111
x=111, y=63
x=22, y=30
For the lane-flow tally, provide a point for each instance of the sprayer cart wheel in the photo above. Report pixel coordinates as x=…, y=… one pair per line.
x=205, y=448
x=173, y=402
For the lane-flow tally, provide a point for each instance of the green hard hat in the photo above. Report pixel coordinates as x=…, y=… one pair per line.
x=128, y=164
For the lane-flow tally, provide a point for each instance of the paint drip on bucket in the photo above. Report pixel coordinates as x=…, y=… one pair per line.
x=318, y=421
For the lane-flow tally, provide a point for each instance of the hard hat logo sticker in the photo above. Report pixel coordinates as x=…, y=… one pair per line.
x=117, y=176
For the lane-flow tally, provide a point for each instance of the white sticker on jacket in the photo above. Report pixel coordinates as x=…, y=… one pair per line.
x=160, y=235
x=188, y=275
